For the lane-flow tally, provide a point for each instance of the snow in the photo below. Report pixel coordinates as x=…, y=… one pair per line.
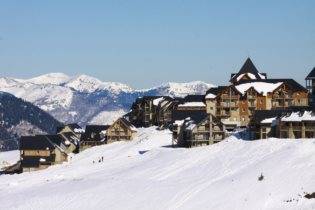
x=82, y=98
x=192, y=104
x=157, y=101
x=148, y=174
x=84, y=83
x=297, y=117
x=9, y=158
x=260, y=87
x=271, y=121
x=107, y=117
x=181, y=89
x=79, y=130
x=51, y=78
x=179, y=122
x=251, y=76
x=262, y=76
x=210, y=96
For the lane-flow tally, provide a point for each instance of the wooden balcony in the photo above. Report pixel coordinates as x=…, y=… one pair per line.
x=231, y=97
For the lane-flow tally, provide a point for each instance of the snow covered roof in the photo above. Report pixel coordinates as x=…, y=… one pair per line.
x=272, y=121
x=179, y=122
x=192, y=104
x=157, y=101
x=298, y=117
x=260, y=87
x=210, y=96
x=249, y=70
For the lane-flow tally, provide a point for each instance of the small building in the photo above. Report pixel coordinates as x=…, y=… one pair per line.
x=94, y=135
x=120, y=130
x=42, y=151
x=196, y=128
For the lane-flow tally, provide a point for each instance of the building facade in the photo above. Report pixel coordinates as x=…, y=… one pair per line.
x=249, y=91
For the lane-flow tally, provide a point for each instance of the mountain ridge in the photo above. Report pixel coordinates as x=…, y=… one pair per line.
x=83, y=98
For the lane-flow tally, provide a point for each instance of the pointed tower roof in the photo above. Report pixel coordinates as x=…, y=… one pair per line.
x=311, y=75
x=248, y=70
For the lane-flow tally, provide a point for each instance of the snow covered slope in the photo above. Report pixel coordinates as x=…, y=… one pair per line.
x=148, y=174
x=84, y=99
x=9, y=158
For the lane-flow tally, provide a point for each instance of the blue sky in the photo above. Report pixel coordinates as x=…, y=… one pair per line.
x=145, y=43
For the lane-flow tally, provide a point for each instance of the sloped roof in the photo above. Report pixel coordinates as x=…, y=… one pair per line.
x=216, y=90
x=311, y=75
x=194, y=98
x=89, y=129
x=127, y=123
x=291, y=82
x=56, y=139
x=195, y=115
x=36, y=143
x=249, y=69
x=260, y=115
x=72, y=126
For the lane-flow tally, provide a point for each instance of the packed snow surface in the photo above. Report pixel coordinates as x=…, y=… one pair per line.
x=147, y=173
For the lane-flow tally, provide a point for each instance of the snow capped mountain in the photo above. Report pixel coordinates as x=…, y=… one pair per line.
x=182, y=89
x=84, y=83
x=86, y=99
x=148, y=174
x=52, y=78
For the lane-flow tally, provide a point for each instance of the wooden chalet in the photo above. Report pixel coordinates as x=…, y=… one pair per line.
x=120, y=130
x=42, y=151
x=94, y=135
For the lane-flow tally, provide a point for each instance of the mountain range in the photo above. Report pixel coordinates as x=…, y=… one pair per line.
x=87, y=100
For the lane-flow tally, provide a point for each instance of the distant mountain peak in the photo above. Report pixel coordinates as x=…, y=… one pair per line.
x=85, y=99
x=51, y=78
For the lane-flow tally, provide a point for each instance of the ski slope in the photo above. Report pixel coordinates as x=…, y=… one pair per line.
x=149, y=174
